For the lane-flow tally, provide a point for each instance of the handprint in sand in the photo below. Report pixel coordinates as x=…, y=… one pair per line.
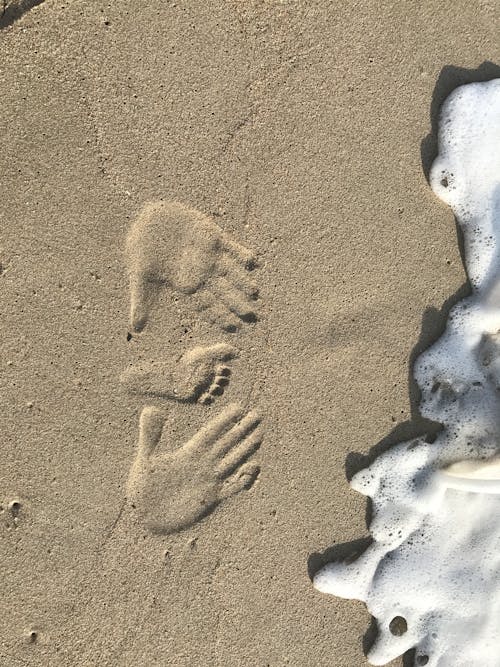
x=176, y=488
x=172, y=246
x=201, y=374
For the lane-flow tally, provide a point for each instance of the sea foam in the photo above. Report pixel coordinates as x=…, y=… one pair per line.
x=431, y=576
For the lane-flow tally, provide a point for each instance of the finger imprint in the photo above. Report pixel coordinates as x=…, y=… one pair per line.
x=238, y=251
x=221, y=380
x=233, y=273
x=239, y=455
x=236, y=434
x=209, y=433
x=235, y=301
x=243, y=479
x=216, y=390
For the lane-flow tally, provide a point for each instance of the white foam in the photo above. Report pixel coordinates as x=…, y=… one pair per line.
x=435, y=559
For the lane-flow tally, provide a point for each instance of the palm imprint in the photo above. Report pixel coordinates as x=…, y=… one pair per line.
x=200, y=374
x=171, y=245
x=174, y=489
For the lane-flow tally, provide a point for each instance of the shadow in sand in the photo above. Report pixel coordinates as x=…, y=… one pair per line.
x=13, y=10
x=449, y=79
x=432, y=327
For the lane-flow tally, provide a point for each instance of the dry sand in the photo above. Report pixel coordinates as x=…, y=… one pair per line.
x=296, y=127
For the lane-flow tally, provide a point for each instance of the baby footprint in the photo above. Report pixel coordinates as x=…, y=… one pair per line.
x=199, y=375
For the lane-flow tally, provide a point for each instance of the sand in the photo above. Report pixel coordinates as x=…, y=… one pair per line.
x=296, y=129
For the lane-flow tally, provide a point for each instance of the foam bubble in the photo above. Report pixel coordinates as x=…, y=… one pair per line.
x=431, y=577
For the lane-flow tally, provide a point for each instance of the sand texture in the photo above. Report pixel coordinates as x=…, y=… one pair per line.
x=219, y=255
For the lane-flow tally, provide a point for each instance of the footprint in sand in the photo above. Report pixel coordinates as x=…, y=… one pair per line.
x=175, y=489
x=199, y=375
x=171, y=245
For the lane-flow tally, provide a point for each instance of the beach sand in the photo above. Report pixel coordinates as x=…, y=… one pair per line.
x=296, y=128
